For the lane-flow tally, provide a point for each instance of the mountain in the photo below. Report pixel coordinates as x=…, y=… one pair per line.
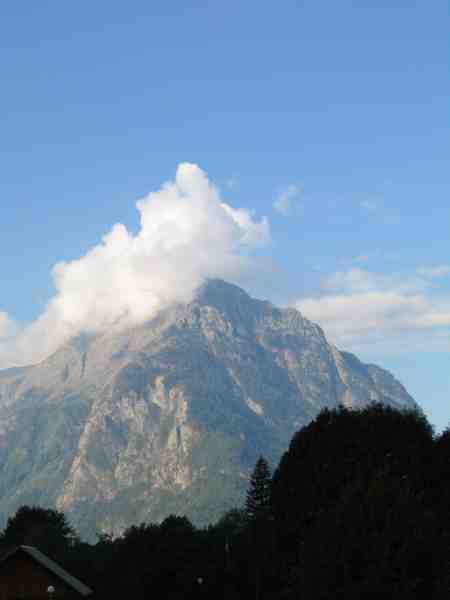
x=171, y=416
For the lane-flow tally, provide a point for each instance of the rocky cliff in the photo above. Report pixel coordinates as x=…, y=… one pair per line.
x=170, y=416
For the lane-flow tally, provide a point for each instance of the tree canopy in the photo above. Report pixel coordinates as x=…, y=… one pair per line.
x=258, y=500
x=340, y=446
x=358, y=507
x=45, y=528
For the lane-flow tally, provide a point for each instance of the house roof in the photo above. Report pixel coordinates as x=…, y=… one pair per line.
x=50, y=565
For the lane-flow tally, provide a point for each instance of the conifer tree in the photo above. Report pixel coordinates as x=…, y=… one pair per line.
x=258, y=494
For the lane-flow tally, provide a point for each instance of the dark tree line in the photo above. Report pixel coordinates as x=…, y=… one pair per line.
x=358, y=507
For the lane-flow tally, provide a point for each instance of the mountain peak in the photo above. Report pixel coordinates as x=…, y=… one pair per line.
x=218, y=291
x=232, y=301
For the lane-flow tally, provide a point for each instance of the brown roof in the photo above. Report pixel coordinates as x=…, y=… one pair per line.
x=50, y=565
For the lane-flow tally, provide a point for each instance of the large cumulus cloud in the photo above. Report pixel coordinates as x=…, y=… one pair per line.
x=187, y=234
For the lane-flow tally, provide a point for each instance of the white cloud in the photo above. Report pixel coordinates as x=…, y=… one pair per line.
x=7, y=326
x=362, y=310
x=361, y=258
x=287, y=201
x=355, y=280
x=434, y=272
x=187, y=234
x=253, y=233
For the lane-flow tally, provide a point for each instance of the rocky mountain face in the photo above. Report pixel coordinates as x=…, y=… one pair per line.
x=171, y=416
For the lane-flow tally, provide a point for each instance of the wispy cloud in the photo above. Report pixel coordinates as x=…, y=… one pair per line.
x=360, y=258
x=8, y=327
x=287, y=201
x=363, y=310
x=434, y=272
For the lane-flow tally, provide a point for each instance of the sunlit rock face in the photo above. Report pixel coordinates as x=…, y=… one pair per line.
x=170, y=416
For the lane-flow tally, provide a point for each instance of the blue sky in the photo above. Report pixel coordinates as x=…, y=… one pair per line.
x=331, y=119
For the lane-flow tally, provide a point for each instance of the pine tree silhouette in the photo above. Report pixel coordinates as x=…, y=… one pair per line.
x=258, y=494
